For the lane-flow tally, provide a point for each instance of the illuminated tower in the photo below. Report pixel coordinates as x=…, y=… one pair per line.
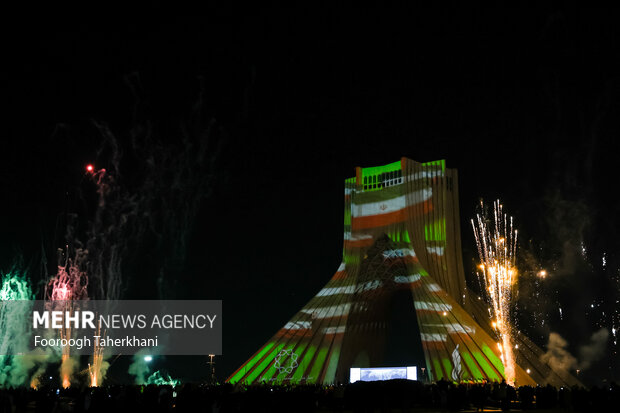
x=401, y=239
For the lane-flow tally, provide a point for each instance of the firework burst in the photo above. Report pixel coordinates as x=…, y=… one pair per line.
x=70, y=284
x=99, y=366
x=13, y=286
x=497, y=242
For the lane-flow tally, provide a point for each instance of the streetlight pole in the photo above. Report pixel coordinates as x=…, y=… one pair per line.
x=211, y=364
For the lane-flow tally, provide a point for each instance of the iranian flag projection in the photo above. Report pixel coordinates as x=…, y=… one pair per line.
x=401, y=235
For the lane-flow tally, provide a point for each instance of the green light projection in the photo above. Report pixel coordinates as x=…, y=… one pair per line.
x=319, y=342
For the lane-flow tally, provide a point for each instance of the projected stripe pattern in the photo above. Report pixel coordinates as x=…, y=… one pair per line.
x=401, y=231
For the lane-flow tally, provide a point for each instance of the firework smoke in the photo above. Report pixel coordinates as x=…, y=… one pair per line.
x=560, y=359
x=557, y=355
x=39, y=358
x=497, y=242
x=594, y=350
x=139, y=367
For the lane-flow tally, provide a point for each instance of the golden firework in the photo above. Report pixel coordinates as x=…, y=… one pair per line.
x=497, y=243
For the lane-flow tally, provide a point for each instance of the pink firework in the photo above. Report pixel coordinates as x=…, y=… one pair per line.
x=70, y=283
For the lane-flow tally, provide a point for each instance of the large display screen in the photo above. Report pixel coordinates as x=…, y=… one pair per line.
x=382, y=373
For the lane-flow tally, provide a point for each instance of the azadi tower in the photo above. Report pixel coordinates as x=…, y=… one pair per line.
x=400, y=287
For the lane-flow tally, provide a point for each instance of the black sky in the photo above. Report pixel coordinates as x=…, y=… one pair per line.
x=524, y=103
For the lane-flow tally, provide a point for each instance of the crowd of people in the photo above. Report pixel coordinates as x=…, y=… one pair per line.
x=387, y=396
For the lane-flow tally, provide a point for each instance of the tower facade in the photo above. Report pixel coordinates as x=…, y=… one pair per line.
x=401, y=239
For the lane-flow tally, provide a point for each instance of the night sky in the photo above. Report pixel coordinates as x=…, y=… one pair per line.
x=524, y=103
